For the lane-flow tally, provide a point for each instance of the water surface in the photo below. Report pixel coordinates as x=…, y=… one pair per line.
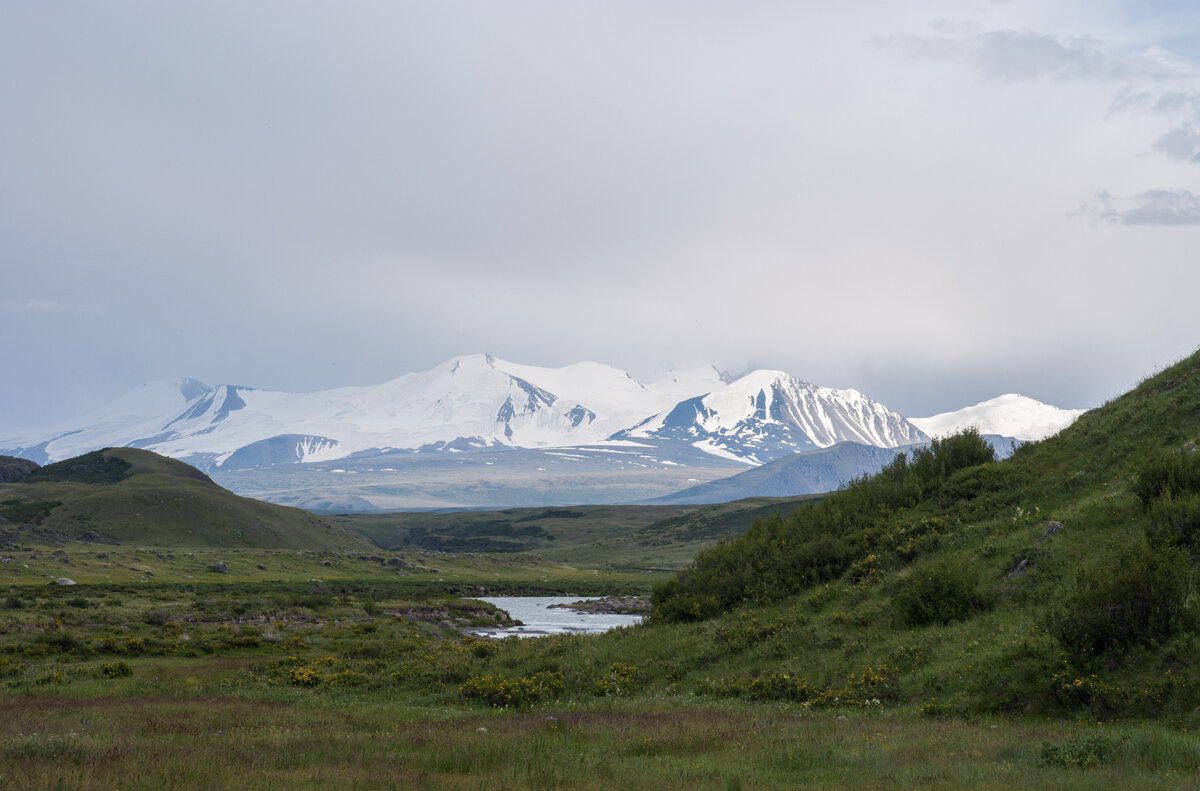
x=538, y=620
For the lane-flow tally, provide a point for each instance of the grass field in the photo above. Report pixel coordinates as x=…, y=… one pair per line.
x=361, y=684
x=219, y=742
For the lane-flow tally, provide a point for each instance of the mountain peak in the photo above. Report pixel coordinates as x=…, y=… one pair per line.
x=1010, y=415
x=766, y=414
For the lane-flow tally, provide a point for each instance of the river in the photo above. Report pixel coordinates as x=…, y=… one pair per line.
x=538, y=620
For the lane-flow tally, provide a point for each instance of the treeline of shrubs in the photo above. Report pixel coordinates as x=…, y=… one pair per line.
x=782, y=555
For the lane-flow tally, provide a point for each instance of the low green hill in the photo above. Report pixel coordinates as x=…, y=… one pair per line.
x=126, y=495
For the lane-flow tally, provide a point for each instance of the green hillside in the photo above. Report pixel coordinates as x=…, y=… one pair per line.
x=1060, y=581
x=126, y=495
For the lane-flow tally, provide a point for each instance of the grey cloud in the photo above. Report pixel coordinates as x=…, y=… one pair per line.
x=1173, y=102
x=1153, y=207
x=1026, y=54
x=1181, y=143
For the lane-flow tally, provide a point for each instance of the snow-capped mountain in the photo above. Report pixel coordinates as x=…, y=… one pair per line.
x=1009, y=415
x=766, y=415
x=469, y=401
x=479, y=431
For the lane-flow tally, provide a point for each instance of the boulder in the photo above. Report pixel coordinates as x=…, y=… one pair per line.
x=1051, y=528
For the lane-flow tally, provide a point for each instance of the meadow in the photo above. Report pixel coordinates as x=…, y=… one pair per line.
x=371, y=683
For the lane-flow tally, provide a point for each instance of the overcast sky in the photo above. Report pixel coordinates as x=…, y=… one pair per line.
x=933, y=202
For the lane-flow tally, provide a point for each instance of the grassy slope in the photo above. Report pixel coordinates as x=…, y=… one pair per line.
x=144, y=498
x=834, y=635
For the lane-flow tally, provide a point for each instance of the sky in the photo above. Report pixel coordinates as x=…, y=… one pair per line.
x=931, y=202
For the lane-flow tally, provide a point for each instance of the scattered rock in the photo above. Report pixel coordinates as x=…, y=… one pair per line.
x=1019, y=569
x=261, y=567
x=445, y=625
x=843, y=718
x=1051, y=528
x=219, y=567
x=63, y=581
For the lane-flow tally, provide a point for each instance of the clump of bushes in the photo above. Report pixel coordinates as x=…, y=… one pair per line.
x=1131, y=595
x=619, y=680
x=498, y=691
x=941, y=591
x=1175, y=521
x=1169, y=474
x=783, y=555
x=1078, y=752
x=1169, y=488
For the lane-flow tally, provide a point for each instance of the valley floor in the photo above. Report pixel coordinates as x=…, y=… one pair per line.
x=143, y=739
x=371, y=684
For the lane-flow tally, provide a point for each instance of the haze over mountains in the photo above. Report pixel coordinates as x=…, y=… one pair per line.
x=585, y=430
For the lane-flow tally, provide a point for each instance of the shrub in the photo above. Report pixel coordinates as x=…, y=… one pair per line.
x=499, y=691
x=769, y=687
x=1168, y=475
x=620, y=679
x=1175, y=521
x=781, y=556
x=939, y=592
x=1078, y=752
x=1131, y=595
x=117, y=670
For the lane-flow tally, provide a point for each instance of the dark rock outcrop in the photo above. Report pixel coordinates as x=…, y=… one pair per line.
x=14, y=468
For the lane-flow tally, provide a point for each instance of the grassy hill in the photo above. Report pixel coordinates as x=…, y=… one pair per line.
x=126, y=495
x=1059, y=581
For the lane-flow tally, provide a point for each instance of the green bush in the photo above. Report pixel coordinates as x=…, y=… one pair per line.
x=783, y=555
x=1078, y=752
x=1168, y=475
x=504, y=692
x=1175, y=521
x=1133, y=594
x=939, y=592
x=117, y=670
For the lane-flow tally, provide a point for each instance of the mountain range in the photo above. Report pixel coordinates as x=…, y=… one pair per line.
x=585, y=430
